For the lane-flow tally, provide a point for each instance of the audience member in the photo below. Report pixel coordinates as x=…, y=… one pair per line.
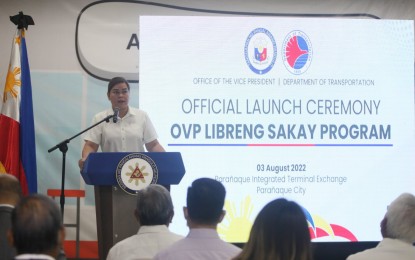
x=37, y=231
x=398, y=232
x=204, y=211
x=154, y=213
x=10, y=195
x=280, y=232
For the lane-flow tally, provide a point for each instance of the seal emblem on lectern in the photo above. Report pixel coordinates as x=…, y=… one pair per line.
x=135, y=172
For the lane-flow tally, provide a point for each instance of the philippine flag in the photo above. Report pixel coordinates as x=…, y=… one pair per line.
x=17, y=133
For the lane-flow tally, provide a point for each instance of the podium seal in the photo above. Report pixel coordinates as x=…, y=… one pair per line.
x=135, y=172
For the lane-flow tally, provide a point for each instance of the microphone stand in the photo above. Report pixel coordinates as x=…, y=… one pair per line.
x=63, y=147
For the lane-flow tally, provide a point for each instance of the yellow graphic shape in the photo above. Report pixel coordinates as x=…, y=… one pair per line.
x=322, y=224
x=12, y=81
x=238, y=227
x=2, y=168
x=137, y=174
x=18, y=40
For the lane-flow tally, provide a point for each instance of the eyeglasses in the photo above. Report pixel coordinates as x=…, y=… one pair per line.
x=117, y=92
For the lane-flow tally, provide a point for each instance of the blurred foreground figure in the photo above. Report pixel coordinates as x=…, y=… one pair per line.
x=37, y=231
x=280, y=232
x=10, y=195
x=204, y=211
x=154, y=213
x=398, y=232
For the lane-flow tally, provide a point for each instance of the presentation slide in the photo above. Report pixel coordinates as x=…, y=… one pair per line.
x=319, y=111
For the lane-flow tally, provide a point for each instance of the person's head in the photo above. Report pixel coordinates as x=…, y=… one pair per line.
x=10, y=190
x=37, y=226
x=205, y=200
x=119, y=92
x=280, y=232
x=399, y=220
x=154, y=206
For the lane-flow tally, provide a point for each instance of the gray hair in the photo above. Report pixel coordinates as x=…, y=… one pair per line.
x=400, y=218
x=154, y=205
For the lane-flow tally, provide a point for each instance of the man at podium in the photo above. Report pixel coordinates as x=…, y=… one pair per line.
x=129, y=131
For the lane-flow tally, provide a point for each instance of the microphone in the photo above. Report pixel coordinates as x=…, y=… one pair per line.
x=115, y=116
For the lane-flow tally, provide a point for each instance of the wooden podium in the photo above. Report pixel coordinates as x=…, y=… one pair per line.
x=114, y=207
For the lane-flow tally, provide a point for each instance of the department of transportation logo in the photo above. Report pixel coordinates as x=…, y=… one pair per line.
x=297, y=52
x=135, y=172
x=260, y=51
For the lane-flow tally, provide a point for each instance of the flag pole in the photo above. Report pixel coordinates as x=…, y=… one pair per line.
x=22, y=20
x=17, y=112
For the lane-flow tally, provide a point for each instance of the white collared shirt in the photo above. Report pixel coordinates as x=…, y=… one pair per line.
x=34, y=256
x=145, y=244
x=129, y=134
x=200, y=244
x=387, y=249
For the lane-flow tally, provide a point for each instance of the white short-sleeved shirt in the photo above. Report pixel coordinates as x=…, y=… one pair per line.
x=145, y=244
x=387, y=249
x=129, y=134
x=200, y=244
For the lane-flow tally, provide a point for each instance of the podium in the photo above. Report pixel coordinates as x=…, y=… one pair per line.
x=114, y=207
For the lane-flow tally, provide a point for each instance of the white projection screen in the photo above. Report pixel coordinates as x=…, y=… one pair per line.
x=319, y=111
